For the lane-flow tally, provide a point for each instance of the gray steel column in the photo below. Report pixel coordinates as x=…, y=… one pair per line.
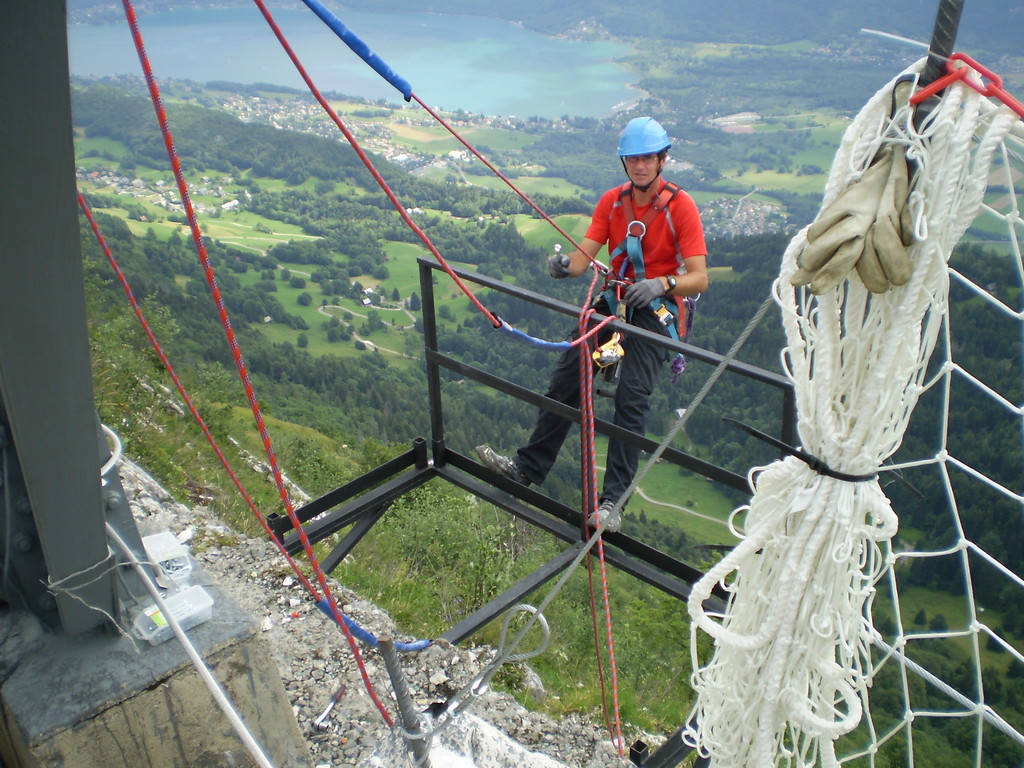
x=45, y=378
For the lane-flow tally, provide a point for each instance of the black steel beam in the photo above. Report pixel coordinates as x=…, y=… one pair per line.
x=668, y=755
x=281, y=524
x=511, y=596
x=353, y=537
x=322, y=527
x=672, y=455
x=646, y=563
x=433, y=375
x=691, y=352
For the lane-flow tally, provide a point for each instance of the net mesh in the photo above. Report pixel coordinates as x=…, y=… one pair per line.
x=869, y=623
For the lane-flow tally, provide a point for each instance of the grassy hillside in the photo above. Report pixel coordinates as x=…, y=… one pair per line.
x=341, y=401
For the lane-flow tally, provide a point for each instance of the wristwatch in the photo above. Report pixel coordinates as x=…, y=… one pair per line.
x=671, y=283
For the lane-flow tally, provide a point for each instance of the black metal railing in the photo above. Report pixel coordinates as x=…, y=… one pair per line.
x=361, y=503
x=437, y=360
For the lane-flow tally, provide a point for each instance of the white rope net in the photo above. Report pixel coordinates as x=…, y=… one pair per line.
x=797, y=652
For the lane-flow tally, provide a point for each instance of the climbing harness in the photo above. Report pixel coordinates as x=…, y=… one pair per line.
x=675, y=313
x=632, y=248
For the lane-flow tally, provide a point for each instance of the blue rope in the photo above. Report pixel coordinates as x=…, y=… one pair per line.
x=361, y=49
x=532, y=339
x=367, y=637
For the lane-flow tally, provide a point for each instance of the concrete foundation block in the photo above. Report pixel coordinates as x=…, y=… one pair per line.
x=102, y=700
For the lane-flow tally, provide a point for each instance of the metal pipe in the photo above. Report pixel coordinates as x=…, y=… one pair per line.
x=420, y=748
x=947, y=21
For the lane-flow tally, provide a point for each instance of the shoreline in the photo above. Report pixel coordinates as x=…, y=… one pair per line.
x=486, y=75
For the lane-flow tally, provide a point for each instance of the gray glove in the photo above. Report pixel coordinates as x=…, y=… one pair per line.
x=643, y=293
x=558, y=265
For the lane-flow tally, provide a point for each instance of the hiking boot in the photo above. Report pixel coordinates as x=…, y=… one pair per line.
x=503, y=465
x=607, y=514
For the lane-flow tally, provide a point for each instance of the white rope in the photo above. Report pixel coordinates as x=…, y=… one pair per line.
x=792, y=657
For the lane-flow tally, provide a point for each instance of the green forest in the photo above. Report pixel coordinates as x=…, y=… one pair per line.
x=346, y=410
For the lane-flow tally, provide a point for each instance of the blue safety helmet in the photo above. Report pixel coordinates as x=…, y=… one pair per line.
x=643, y=136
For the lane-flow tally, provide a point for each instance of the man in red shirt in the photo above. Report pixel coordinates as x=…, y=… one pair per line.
x=656, y=244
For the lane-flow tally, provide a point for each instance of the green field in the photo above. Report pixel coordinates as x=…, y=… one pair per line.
x=678, y=499
x=530, y=185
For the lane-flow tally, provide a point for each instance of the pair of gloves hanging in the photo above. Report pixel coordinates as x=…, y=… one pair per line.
x=867, y=228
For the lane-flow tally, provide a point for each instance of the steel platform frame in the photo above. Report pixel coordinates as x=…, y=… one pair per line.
x=361, y=503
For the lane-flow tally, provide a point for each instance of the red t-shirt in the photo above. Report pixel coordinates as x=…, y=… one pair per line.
x=664, y=247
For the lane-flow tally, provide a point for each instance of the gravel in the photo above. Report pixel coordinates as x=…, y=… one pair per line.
x=315, y=660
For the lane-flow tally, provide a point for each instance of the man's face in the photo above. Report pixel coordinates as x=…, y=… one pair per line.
x=643, y=169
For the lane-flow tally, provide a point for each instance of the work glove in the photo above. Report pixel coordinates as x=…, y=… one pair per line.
x=869, y=226
x=894, y=224
x=642, y=293
x=869, y=266
x=835, y=241
x=558, y=265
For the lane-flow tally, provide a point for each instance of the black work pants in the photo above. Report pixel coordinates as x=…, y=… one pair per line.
x=640, y=367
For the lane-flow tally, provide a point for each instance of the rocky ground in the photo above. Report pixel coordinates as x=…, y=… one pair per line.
x=315, y=661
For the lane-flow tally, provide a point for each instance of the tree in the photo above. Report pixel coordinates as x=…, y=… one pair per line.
x=302, y=341
x=304, y=299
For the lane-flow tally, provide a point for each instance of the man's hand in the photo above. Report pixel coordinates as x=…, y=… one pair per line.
x=558, y=265
x=644, y=292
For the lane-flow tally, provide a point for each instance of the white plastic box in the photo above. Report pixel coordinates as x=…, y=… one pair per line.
x=172, y=556
x=190, y=607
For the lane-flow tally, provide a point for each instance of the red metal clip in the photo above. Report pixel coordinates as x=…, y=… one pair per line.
x=993, y=89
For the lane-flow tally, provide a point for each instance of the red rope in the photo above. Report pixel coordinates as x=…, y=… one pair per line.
x=369, y=165
x=590, y=505
x=589, y=498
x=184, y=394
x=526, y=199
x=237, y=354
x=581, y=342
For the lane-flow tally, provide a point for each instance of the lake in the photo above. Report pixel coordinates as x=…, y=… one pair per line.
x=454, y=62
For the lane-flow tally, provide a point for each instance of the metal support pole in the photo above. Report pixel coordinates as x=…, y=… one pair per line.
x=433, y=372
x=947, y=22
x=420, y=748
x=45, y=377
